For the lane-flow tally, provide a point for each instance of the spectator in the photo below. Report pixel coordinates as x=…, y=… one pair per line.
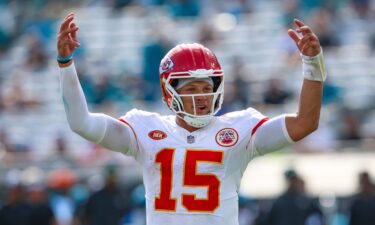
x=153, y=52
x=363, y=206
x=108, y=205
x=61, y=157
x=322, y=23
x=41, y=212
x=104, y=90
x=275, y=94
x=237, y=92
x=294, y=207
x=16, y=99
x=15, y=211
x=361, y=7
x=36, y=58
x=350, y=125
x=13, y=153
x=207, y=35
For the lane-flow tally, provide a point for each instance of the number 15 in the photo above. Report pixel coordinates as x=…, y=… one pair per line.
x=164, y=202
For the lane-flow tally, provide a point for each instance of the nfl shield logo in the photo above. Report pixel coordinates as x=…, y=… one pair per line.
x=190, y=139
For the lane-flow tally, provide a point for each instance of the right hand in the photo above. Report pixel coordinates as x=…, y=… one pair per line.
x=67, y=37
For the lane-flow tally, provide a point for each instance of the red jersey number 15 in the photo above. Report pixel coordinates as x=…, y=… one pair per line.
x=165, y=202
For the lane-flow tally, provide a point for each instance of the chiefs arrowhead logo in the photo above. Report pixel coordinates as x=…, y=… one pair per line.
x=157, y=135
x=226, y=137
x=166, y=64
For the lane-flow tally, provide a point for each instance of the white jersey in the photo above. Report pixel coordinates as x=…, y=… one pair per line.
x=192, y=178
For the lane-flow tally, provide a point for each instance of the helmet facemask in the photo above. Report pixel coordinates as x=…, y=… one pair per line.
x=175, y=101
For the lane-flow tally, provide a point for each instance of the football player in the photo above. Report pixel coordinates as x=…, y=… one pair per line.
x=193, y=161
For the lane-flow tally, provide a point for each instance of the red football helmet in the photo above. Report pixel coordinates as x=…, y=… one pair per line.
x=191, y=61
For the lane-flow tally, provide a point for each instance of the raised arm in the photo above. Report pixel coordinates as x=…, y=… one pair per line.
x=306, y=120
x=286, y=129
x=95, y=127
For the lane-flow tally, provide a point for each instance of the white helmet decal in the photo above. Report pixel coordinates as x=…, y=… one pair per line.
x=166, y=65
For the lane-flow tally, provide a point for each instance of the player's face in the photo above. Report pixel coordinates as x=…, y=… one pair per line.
x=202, y=103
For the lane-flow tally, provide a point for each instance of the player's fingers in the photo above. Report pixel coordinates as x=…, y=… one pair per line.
x=72, y=25
x=299, y=23
x=67, y=31
x=69, y=14
x=67, y=44
x=75, y=43
x=293, y=34
x=73, y=34
x=304, y=30
x=305, y=39
x=65, y=24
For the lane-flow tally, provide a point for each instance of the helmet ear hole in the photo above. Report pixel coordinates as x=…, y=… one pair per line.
x=217, y=102
x=174, y=83
x=217, y=82
x=176, y=105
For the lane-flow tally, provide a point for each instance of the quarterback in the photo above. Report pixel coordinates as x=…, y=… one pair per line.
x=192, y=160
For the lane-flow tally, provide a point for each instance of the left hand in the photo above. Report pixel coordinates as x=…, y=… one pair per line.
x=308, y=44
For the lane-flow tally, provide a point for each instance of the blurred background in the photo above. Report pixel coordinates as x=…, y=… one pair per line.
x=49, y=175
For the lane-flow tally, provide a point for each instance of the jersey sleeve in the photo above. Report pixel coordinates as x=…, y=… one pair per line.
x=254, y=120
x=136, y=120
x=270, y=136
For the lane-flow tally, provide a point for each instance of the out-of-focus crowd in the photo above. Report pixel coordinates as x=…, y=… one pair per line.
x=43, y=164
x=64, y=200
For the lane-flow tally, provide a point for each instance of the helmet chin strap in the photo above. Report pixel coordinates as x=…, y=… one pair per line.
x=197, y=122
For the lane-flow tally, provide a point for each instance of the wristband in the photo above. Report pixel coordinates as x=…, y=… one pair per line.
x=64, y=59
x=314, y=67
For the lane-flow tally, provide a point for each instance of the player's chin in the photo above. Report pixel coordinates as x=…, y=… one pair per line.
x=202, y=112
